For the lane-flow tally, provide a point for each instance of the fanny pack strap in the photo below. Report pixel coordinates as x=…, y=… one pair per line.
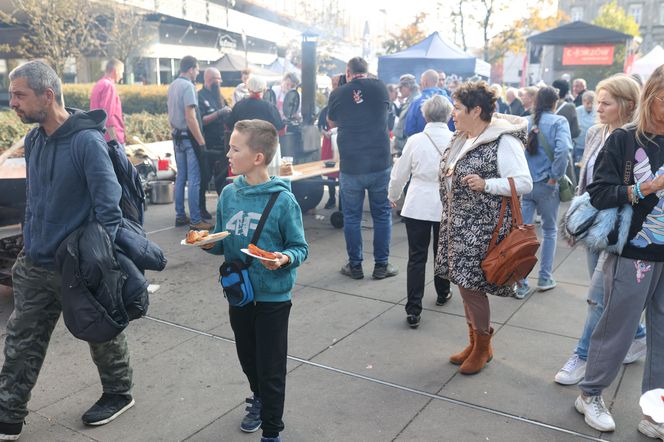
x=261, y=223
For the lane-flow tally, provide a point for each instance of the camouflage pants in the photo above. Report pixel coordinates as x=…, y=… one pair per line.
x=37, y=307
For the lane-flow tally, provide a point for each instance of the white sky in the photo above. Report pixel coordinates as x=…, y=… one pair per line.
x=401, y=12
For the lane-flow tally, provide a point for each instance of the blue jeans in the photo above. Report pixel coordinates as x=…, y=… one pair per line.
x=596, y=303
x=352, y=188
x=544, y=198
x=188, y=170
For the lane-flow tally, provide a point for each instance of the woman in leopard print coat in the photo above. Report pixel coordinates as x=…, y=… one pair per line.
x=486, y=149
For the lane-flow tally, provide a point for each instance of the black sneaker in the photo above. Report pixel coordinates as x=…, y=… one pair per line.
x=413, y=321
x=107, y=408
x=442, y=299
x=252, y=421
x=354, y=272
x=10, y=431
x=179, y=222
x=382, y=271
x=205, y=214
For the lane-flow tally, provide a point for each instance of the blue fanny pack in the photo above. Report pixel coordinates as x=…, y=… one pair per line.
x=234, y=275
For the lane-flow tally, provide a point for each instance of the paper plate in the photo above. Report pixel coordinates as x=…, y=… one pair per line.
x=214, y=237
x=247, y=252
x=652, y=404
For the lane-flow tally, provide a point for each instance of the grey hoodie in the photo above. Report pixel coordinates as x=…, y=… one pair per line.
x=70, y=178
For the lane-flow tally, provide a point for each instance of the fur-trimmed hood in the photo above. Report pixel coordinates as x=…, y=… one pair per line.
x=501, y=124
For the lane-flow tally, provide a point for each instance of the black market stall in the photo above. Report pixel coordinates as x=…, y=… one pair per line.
x=576, y=45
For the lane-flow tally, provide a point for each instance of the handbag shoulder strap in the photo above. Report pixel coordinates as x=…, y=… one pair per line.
x=630, y=151
x=262, y=220
x=440, y=152
x=517, y=218
x=542, y=141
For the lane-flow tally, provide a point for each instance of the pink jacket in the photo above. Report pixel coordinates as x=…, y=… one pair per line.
x=105, y=96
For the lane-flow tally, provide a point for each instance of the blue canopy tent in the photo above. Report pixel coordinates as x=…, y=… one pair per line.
x=434, y=52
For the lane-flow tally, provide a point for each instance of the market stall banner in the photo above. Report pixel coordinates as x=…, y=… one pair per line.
x=588, y=55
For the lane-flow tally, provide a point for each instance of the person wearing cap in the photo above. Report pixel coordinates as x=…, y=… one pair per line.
x=253, y=107
x=409, y=91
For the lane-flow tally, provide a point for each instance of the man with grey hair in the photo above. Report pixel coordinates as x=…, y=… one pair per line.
x=415, y=120
x=105, y=96
x=409, y=91
x=513, y=102
x=587, y=117
x=70, y=178
x=579, y=87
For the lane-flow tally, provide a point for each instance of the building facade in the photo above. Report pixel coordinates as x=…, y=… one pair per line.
x=649, y=14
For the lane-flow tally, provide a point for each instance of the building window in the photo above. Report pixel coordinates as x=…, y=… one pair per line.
x=635, y=10
x=577, y=13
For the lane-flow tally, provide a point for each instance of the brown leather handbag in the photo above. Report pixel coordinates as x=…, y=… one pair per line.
x=514, y=257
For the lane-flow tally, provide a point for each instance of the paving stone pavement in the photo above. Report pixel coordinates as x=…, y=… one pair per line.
x=356, y=371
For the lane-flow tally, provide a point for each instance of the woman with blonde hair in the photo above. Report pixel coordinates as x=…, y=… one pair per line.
x=617, y=100
x=634, y=279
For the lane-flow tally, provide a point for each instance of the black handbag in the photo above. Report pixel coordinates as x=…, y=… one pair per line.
x=234, y=275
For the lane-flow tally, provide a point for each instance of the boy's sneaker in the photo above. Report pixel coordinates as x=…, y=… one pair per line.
x=656, y=431
x=271, y=439
x=10, y=431
x=544, y=284
x=352, y=271
x=572, y=372
x=179, y=222
x=637, y=350
x=596, y=413
x=252, y=421
x=201, y=226
x=413, y=321
x=521, y=291
x=107, y=408
x=442, y=299
x=382, y=271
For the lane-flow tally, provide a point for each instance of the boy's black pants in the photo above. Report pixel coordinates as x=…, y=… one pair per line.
x=261, y=341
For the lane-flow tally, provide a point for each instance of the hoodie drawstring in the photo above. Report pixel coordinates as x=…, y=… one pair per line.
x=50, y=177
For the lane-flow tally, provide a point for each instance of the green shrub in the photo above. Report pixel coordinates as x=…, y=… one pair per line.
x=11, y=129
x=135, y=98
x=149, y=128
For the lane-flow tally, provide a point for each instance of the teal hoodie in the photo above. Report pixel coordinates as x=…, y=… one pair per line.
x=239, y=208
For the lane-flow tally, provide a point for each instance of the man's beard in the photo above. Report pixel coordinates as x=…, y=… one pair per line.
x=216, y=93
x=37, y=117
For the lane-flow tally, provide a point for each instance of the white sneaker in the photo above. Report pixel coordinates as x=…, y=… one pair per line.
x=656, y=431
x=596, y=413
x=572, y=372
x=636, y=351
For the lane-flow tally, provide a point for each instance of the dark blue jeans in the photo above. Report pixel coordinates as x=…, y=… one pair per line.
x=352, y=189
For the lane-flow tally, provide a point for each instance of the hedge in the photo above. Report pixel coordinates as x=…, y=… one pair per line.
x=135, y=98
x=147, y=127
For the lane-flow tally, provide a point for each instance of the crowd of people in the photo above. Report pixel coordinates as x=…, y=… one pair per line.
x=454, y=149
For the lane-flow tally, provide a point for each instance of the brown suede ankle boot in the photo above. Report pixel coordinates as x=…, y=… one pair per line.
x=459, y=358
x=482, y=353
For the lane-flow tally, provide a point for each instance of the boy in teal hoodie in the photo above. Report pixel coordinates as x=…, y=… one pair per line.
x=261, y=327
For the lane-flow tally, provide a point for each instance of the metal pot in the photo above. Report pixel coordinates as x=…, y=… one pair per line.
x=162, y=192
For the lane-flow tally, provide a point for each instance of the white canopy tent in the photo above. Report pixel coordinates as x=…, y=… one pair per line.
x=645, y=65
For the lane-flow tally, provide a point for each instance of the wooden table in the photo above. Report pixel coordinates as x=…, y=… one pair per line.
x=310, y=170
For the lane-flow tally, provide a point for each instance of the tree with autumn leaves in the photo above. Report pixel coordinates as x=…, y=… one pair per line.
x=58, y=30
